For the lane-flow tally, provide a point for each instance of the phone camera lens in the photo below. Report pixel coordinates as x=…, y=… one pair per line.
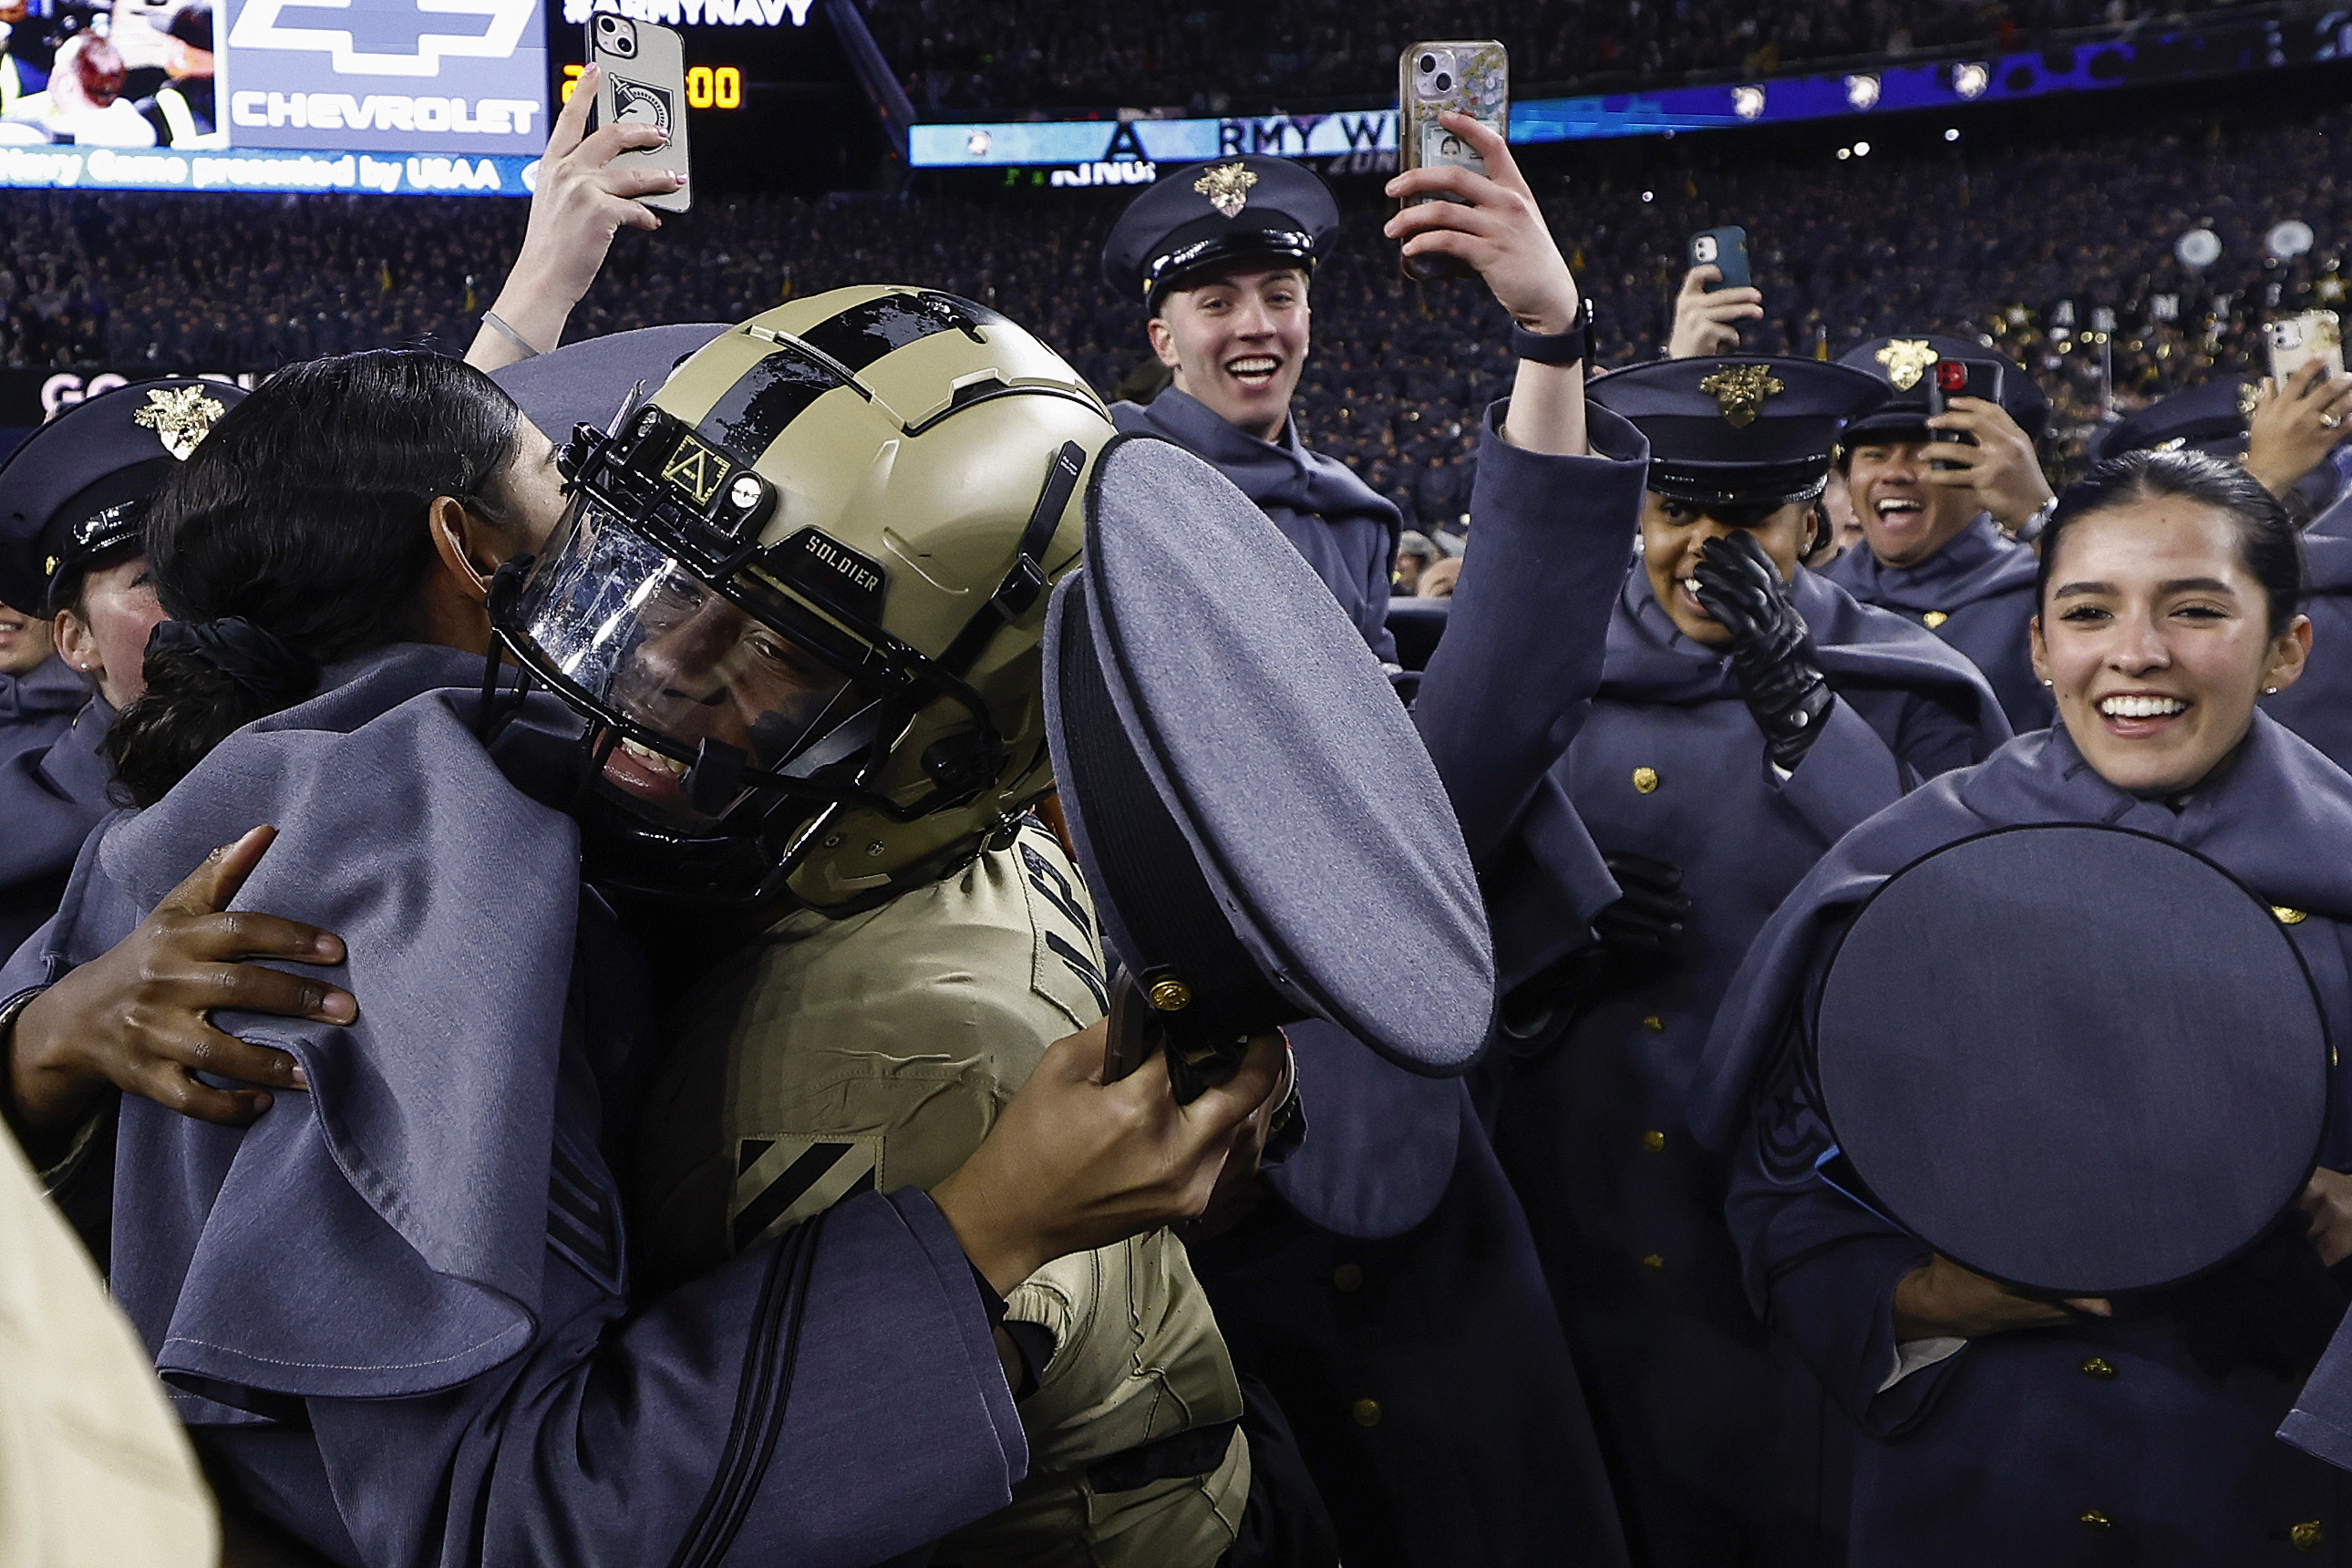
x=1428, y=64
x=1444, y=82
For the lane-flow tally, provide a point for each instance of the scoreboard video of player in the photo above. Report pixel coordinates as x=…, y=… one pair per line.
x=399, y=97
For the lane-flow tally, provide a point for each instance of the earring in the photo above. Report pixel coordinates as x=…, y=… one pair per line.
x=2270, y=691
x=2045, y=683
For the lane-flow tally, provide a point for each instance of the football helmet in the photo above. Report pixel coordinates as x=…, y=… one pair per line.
x=798, y=596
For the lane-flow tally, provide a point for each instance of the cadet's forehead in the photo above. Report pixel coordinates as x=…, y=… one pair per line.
x=1244, y=276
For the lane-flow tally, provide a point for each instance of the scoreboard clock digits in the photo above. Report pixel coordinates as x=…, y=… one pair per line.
x=706, y=87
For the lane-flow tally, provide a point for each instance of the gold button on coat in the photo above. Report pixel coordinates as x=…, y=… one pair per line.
x=1367, y=1412
x=1654, y=1023
x=2096, y=1520
x=1653, y=1262
x=1347, y=1276
x=1935, y=619
x=2100, y=1367
x=1646, y=780
x=2287, y=917
x=2307, y=1536
x=1653, y=1140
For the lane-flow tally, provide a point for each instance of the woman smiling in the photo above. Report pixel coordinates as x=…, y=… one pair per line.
x=2000, y=1425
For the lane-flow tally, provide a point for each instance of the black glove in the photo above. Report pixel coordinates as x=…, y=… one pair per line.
x=1636, y=939
x=1773, y=656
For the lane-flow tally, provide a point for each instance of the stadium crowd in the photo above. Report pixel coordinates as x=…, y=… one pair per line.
x=2019, y=242
x=826, y=887
x=999, y=57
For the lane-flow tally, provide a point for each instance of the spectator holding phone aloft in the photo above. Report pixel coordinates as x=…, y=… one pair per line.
x=1483, y=1450
x=1942, y=520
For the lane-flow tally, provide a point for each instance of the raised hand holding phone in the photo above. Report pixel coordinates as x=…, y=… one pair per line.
x=583, y=197
x=1490, y=223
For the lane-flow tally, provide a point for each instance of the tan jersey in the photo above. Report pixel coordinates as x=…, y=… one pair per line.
x=834, y=1056
x=95, y=1471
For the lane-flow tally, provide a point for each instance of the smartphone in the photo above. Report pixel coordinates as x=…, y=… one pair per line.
x=644, y=82
x=1726, y=249
x=1471, y=76
x=2296, y=341
x=1950, y=378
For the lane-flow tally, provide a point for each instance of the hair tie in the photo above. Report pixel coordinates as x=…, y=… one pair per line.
x=251, y=655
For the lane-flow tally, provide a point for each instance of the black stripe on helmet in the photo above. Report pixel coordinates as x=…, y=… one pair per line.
x=768, y=397
x=887, y=322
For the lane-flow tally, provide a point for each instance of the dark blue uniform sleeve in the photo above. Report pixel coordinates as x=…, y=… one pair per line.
x=1373, y=618
x=1551, y=540
x=835, y=1400
x=1821, y=1268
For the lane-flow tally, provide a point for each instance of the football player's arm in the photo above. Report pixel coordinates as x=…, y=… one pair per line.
x=580, y=203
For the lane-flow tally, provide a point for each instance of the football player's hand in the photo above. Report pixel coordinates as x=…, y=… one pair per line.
x=1075, y=1163
x=1708, y=323
x=580, y=202
x=140, y=1016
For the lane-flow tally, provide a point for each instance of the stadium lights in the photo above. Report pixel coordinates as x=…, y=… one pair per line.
x=1747, y=102
x=1970, y=81
x=1861, y=91
x=1844, y=154
x=1951, y=133
x=1862, y=149
x=1649, y=195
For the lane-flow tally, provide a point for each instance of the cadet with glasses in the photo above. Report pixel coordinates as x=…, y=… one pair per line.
x=1749, y=715
x=397, y=1307
x=2001, y=1425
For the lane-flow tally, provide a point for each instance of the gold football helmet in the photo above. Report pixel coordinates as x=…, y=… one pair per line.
x=798, y=596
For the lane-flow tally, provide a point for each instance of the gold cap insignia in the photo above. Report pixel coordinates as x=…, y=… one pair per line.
x=1906, y=360
x=1740, y=391
x=180, y=417
x=1227, y=186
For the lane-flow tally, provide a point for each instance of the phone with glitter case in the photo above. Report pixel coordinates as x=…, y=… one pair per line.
x=642, y=82
x=1469, y=76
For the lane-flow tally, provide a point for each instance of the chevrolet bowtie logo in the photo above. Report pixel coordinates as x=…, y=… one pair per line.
x=259, y=26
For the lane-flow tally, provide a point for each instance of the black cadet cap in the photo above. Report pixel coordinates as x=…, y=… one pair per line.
x=1902, y=363
x=585, y=382
x=1739, y=430
x=1211, y=213
x=2076, y=1059
x=2211, y=418
x=76, y=492
x=1263, y=829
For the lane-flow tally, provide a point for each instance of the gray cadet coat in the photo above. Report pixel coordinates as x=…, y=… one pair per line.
x=1347, y=531
x=1717, y=1440
x=2319, y=706
x=37, y=706
x=397, y=1311
x=1395, y=1305
x=1977, y=594
x=2142, y=1439
x=50, y=797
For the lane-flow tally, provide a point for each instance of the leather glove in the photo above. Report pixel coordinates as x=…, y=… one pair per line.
x=1636, y=939
x=1773, y=656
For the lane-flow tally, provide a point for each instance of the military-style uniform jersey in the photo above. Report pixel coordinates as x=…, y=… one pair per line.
x=832, y=1056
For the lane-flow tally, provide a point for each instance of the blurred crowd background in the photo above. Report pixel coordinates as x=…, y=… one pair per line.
x=2023, y=240
x=1209, y=56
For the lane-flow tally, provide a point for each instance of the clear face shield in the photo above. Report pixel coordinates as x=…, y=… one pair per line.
x=739, y=685
x=699, y=693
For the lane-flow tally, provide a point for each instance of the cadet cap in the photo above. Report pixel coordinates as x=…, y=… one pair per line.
x=1205, y=214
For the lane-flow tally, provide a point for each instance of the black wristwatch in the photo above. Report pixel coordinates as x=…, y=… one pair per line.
x=1558, y=347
